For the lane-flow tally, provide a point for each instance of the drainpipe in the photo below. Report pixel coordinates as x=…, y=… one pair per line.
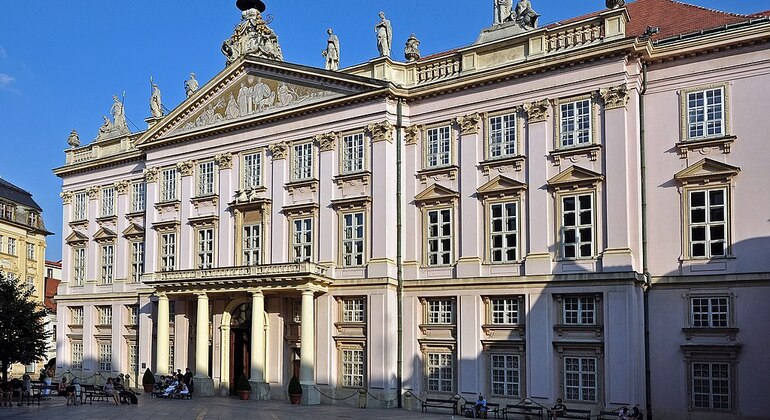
x=399, y=260
x=645, y=270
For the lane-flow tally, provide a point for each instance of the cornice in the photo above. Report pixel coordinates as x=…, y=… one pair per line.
x=100, y=163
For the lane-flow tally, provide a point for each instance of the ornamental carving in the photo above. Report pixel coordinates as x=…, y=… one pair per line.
x=381, y=131
x=66, y=197
x=615, y=97
x=121, y=187
x=326, y=141
x=151, y=175
x=278, y=150
x=537, y=111
x=92, y=192
x=469, y=124
x=252, y=36
x=186, y=167
x=224, y=160
x=411, y=134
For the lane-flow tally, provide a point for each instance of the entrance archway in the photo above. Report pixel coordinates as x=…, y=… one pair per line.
x=240, y=344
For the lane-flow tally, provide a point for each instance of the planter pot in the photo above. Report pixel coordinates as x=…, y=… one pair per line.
x=295, y=398
x=244, y=394
x=148, y=388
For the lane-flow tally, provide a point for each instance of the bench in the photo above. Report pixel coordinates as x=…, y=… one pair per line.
x=92, y=393
x=574, y=413
x=491, y=408
x=437, y=403
x=607, y=415
x=522, y=411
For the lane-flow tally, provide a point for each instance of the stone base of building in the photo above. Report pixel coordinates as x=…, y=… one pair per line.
x=224, y=389
x=259, y=390
x=204, y=387
x=310, y=395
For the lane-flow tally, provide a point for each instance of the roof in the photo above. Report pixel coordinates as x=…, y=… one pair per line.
x=17, y=195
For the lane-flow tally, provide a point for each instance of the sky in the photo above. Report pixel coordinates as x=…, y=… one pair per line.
x=61, y=61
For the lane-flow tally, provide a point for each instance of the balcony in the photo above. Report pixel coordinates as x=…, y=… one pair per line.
x=272, y=276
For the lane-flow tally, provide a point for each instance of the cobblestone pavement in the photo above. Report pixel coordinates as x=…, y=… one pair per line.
x=212, y=408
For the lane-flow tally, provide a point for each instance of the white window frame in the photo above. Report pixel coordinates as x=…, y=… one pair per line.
x=353, y=238
x=31, y=251
x=76, y=315
x=505, y=310
x=138, y=196
x=302, y=239
x=710, y=311
x=502, y=138
x=79, y=265
x=302, y=161
x=105, y=356
x=137, y=261
x=438, y=146
x=80, y=206
x=168, y=248
x=108, y=263
x=575, y=122
x=505, y=376
x=577, y=230
x=12, y=246
x=31, y=284
x=702, y=374
x=105, y=314
x=206, y=247
x=579, y=310
x=353, y=309
x=133, y=358
x=252, y=244
x=169, y=181
x=205, y=178
x=503, y=229
x=77, y=355
x=440, y=311
x=108, y=202
x=703, y=116
x=577, y=382
x=439, y=245
x=251, y=170
x=353, y=153
x=353, y=361
x=132, y=312
x=708, y=224
x=439, y=371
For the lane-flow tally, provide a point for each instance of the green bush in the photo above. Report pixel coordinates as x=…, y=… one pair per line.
x=243, y=383
x=148, y=378
x=294, y=386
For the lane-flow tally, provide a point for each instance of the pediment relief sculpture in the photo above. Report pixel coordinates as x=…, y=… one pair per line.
x=707, y=170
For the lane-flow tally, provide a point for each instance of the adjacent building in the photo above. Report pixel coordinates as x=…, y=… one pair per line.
x=572, y=211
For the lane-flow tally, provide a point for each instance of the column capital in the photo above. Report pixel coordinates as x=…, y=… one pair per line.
x=186, y=168
x=161, y=295
x=121, y=187
x=469, y=123
x=201, y=295
x=537, y=111
x=66, y=197
x=224, y=160
x=615, y=96
x=326, y=141
x=256, y=292
x=306, y=292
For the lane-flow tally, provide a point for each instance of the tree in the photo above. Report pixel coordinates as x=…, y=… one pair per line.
x=22, y=325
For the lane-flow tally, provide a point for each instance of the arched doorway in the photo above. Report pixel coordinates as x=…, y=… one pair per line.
x=240, y=344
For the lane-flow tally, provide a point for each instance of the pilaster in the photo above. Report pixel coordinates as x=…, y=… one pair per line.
x=539, y=258
x=469, y=261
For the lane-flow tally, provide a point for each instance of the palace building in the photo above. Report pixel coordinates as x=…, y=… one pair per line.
x=576, y=211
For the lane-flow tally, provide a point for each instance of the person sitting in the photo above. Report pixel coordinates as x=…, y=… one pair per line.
x=184, y=391
x=16, y=390
x=109, y=389
x=73, y=391
x=636, y=414
x=624, y=413
x=558, y=409
x=62, y=388
x=480, y=409
x=26, y=389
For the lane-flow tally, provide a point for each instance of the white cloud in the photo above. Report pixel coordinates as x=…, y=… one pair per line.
x=6, y=80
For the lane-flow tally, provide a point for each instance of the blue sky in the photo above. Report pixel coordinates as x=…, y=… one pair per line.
x=61, y=61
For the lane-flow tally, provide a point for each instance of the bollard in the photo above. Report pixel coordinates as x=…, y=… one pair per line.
x=361, y=398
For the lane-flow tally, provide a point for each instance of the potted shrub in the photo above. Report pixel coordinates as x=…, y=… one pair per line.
x=295, y=390
x=148, y=381
x=243, y=387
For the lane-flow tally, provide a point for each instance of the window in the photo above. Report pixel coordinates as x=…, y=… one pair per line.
x=205, y=248
x=168, y=187
x=133, y=314
x=32, y=219
x=506, y=374
x=302, y=240
x=137, y=261
x=505, y=311
x=252, y=170
x=353, y=153
x=580, y=379
x=105, y=315
x=79, y=208
x=108, y=263
x=251, y=244
x=79, y=266
x=711, y=385
x=575, y=123
x=168, y=251
x=77, y=355
x=31, y=284
x=133, y=359
x=352, y=368
x=440, y=372
x=171, y=311
x=440, y=312
x=171, y=354
x=108, y=201
x=30, y=251
x=579, y=310
x=710, y=312
x=206, y=178
x=302, y=162
x=503, y=230
x=439, y=237
x=353, y=310
x=708, y=223
x=577, y=219
x=353, y=239
x=438, y=147
x=705, y=113
x=105, y=357
x=12, y=246
x=7, y=211
x=502, y=136
x=76, y=315
x=138, y=196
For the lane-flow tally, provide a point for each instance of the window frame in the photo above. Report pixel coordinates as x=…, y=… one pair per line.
x=490, y=234
x=105, y=356
x=167, y=251
x=437, y=309
x=249, y=253
x=561, y=228
x=31, y=247
x=684, y=105
x=358, y=239
x=245, y=172
x=360, y=364
x=205, y=178
x=302, y=165
x=79, y=265
x=137, y=260
x=76, y=354
x=104, y=312
x=491, y=372
x=353, y=309
x=308, y=246
x=440, y=238
x=443, y=354
x=205, y=247
x=592, y=121
x=516, y=129
x=77, y=314
x=707, y=225
x=439, y=153
x=107, y=201
x=346, y=167
x=580, y=386
x=79, y=206
x=138, y=196
x=107, y=258
x=169, y=188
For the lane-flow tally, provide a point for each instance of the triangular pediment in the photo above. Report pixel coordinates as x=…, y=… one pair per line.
x=706, y=170
x=501, y=185
x=76, y=238
x=104, y=234
x=574, y=177
x=436, y=193
x=133, y=230
x=253, y=89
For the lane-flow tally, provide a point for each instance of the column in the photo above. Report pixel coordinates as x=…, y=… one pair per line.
x=310, y=394
x=224, y=362
x=278, y=249
x=225, y=230
x=186, y=253
x=471, y=230
x=202, y=337
x=538, y=260
x=327, y=218
x=259, y=387
x=383, y=185
x=161, y=349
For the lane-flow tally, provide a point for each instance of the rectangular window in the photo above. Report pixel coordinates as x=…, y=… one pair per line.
x=708, y=223
x=79, y=266
x=438, y=147
x=577, y=226
x=710, y=312
x=711, y=385
x=133, y=359
x=105, y=315
x=108, y=263
x=302, y=162
x=440, y=372
x=353, y=239
x=77, y=355
x=252, y=241
x=31, y=284
x=302, y=240
x=505, y=311
x=575, y=123
x=502, y=136
x=168, y=251
x=171, y=354
x=138, y=196
x=137, y=261
x=32, y=219
x=12, y=246
x=580, y=310
x=168, y=185
x=30, y=251
x=505, y=374
x=108, y=202
x=353, y=153
x=105, y=357
x=352, y=368
x=79, y=207
x=252, y=170
x=205, y=248
x=353, y=310
x=439, y=237
x=7, y=211
x=440, y=312
x=205, y=178
x=705, y=113
x=76, y=314
x=504, y=235
x=133, y=314
x=580, y=379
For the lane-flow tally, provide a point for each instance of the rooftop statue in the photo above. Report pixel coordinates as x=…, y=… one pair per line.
x=332, y=51
x=156, y=107
x=116, y=127
x=412, y=50
x=191, y=85
x=384, y=36
x=526, y=16
x=74, y=139
x=252, y=36
x=613, y=4
x=502, y=11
